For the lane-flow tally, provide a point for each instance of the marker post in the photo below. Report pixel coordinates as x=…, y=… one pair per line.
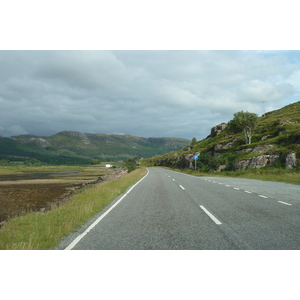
x=196, y=158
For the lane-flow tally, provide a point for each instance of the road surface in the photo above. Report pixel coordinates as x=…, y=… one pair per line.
x=169, y=210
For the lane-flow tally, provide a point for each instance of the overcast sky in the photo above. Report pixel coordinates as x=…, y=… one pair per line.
x=143, y=93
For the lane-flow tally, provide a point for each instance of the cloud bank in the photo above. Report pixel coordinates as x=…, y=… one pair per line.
x=142, y=93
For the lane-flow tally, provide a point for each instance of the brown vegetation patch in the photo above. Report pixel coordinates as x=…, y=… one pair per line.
x=20, y=197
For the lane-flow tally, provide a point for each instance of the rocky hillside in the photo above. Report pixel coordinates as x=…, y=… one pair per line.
x=91, y=146
x=275, y=144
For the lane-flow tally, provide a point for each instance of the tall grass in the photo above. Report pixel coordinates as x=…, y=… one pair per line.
x=45, y=231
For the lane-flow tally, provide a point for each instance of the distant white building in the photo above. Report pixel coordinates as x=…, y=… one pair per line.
x=108, y=165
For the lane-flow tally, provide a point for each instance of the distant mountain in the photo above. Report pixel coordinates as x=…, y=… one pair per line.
x=275, y=144
x=86, y=146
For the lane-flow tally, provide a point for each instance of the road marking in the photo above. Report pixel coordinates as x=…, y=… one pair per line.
x=76, y=241
x=284, y=203
x=173, y=179
x=248, y=192
x=211, y=215
x=237, y=189
x=262, y=196
x=182, y=187
x=227, y=185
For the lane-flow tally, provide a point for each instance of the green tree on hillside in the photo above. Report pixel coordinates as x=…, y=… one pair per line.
x=244, y=122
x=194, y=141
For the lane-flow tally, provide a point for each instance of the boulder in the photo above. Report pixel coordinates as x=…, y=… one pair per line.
x=291, y=161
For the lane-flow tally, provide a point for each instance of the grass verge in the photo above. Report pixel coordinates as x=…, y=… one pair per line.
x=45, y=231
x=279, y=175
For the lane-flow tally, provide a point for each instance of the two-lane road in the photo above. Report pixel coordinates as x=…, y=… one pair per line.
x=171, y=210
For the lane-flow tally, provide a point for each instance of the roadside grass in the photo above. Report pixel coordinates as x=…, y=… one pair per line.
x=292, y=177
x=45, y=231
x=279, y=175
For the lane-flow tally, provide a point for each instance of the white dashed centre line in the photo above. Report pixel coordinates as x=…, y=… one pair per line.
x=210, y=215
x=262, y=196
x=237, y=189
x=182, y=187
x=284, y=203
x=248, y=192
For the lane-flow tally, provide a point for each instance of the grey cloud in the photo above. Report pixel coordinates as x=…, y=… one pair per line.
x=146, y=93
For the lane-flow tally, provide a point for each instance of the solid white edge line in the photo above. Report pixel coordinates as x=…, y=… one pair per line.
x=73, y=244
x=284, y=203
x=211, y=215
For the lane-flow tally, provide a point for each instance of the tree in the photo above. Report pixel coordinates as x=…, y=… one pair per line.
x=194, y=141
x=244, y=122
x=95, y=161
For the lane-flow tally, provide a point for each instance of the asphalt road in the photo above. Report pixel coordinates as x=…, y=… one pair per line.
x=169, y=210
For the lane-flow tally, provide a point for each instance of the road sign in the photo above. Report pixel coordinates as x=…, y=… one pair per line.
x=196, y=158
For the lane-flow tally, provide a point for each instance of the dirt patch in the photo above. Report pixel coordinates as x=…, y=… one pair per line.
x=39, y=195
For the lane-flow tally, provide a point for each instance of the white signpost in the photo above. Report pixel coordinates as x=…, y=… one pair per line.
x=196, y=158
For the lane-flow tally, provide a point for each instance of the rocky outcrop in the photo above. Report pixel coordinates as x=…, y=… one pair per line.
x=263, y=148
x=225, y=146
x=282, y=123
x=291, y=161
x=256, y=162
x=276, y=141
x=217, y=130
x=40, y=142
x=186, y=161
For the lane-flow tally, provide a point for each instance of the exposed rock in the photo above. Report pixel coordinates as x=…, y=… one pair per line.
x=217, y=129
x=39, y=142
x=225, y=146
x=263, y=148
x=291, y=161
x=256, y=162
x=247, y=150
x=189, y=160
x=265, y=137
x=282, y=123
x=220, y=168
x=217, y=154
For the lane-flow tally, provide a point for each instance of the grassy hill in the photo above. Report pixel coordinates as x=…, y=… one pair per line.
x=275, y=144
x=82, y=147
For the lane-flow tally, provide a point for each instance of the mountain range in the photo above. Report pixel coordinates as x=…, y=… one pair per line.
x=73, y=146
